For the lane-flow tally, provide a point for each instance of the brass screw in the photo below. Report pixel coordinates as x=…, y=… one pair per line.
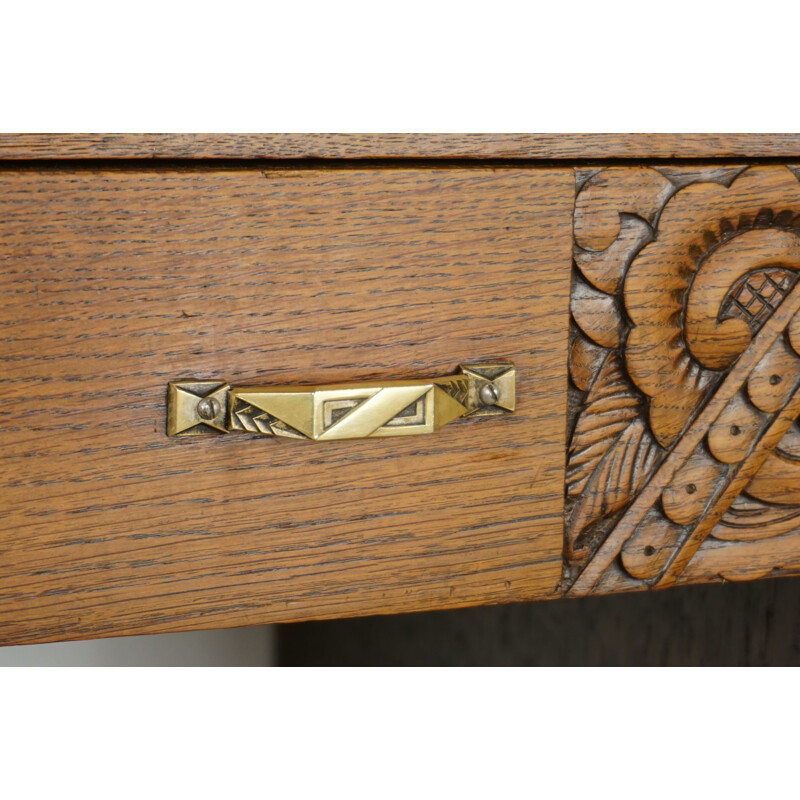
x=208, y=408
x=489, y=394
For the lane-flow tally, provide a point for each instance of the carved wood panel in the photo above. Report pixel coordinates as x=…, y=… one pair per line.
x=684, y=451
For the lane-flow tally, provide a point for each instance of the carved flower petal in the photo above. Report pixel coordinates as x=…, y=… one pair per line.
x=606, y=268
x=584, y=362
x=641, y=191
x=596, y=314
x=656, y=354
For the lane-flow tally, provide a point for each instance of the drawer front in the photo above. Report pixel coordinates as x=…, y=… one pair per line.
x=115, y=282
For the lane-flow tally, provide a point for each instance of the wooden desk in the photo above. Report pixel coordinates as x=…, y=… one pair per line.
x=644, y=287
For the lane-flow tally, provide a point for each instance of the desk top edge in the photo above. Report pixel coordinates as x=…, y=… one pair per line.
x=532, y=146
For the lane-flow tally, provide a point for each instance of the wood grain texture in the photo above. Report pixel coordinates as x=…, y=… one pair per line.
x=685, y=365
x=569, y=146
x=114, y=282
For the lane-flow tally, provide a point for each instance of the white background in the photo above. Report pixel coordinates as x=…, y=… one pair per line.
x=234, y=647
x=400, y=67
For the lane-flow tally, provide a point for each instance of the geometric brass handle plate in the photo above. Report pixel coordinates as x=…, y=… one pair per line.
x=341, y=411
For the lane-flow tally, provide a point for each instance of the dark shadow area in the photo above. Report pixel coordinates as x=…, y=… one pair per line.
x=747, y=624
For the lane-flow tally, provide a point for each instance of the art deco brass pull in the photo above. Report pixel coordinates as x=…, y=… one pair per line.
x=341, y=411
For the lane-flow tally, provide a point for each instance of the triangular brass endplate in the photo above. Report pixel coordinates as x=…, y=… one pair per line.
x=504, y=378
x=183, y=398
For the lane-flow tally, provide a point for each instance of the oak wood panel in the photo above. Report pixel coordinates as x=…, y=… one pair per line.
x=685, y=368
x=570, y=146
x=114, y=282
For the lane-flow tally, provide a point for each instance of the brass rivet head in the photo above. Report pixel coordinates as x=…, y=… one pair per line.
x=489, y=394
x=208, y=408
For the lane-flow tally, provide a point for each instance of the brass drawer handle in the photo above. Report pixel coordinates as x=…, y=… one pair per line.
x=343, y=410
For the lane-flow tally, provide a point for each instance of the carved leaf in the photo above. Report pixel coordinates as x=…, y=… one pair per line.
x=610, y=405
x=611, y=453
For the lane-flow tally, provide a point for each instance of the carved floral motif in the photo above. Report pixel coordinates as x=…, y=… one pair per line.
x=685, y=369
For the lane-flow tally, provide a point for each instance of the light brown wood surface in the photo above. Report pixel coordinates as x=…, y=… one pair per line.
x=569, y=146
x=114, y=282
x=652, y=311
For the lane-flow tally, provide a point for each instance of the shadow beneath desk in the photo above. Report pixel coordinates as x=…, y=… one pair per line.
x=750, y=624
